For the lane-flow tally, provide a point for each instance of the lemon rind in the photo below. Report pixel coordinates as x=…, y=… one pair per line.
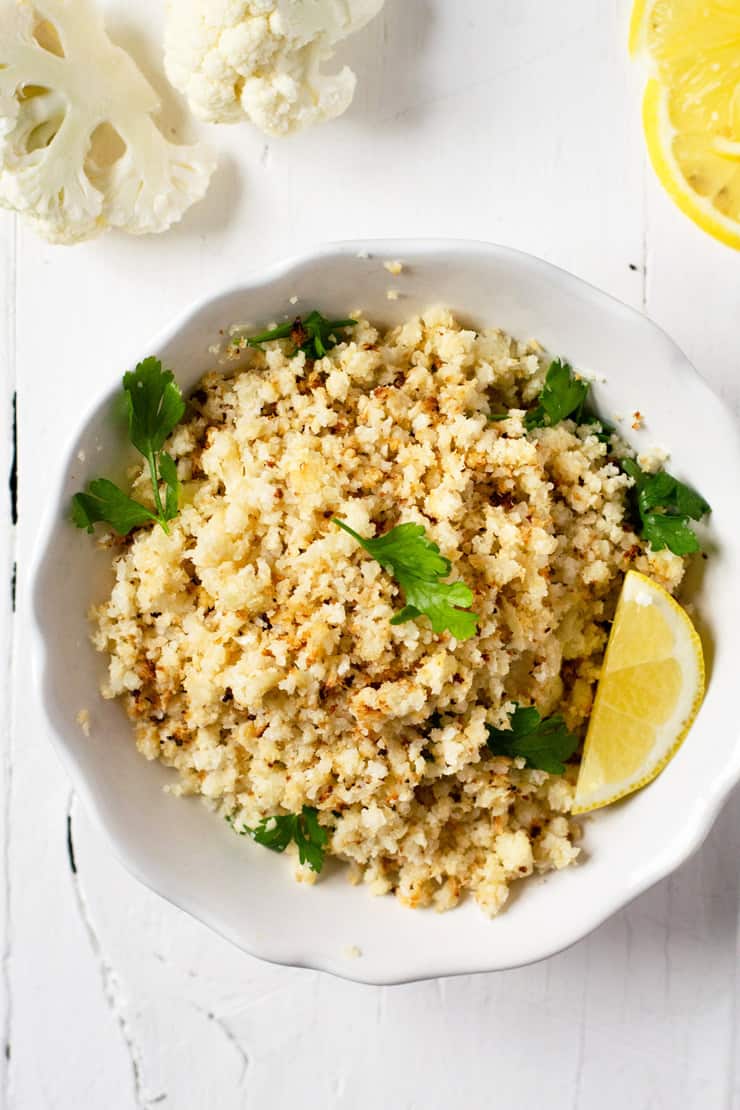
x=636, y=39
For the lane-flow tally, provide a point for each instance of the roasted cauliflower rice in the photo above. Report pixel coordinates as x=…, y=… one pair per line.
x=253, y=645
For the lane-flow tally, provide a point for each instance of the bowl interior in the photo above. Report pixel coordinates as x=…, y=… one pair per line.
x=246, y=893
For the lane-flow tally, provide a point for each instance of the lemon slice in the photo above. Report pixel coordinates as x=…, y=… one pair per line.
x=650, y=690
x=691, y=110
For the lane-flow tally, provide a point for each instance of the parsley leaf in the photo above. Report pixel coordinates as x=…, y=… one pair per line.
x=674, y=532
x=544, y=744
x=664, y=507
x=563, y=395
x=104, y=502
x=276, y=833
x=155, y=406
x=168, y=474
x=314, y=335
x=417, y=566
x=310, y=838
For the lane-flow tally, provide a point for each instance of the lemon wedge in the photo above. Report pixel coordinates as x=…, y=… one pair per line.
x=691, y=109
x=650, y=690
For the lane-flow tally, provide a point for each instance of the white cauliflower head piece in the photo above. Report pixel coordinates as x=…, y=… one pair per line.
x=262, y=59
x=79, y=150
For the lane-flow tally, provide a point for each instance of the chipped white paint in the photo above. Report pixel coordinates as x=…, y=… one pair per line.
x=7, y=577
x=509, y=120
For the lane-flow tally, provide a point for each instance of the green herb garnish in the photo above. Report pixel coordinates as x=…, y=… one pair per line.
x=544, y=744
x=276, y=833
x=563, y=396
x=664, y=507
x=416, y=564
x=155, y=406
x=314, y=335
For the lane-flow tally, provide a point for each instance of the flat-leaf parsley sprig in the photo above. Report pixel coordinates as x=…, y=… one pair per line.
x=544, y=744
x=563, y=397
x=155, y=406
x=415, y=562
x=276, y=833
x=314, y=334
x=664, y=507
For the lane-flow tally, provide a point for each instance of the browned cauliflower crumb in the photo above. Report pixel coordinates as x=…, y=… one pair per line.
x=253, y=645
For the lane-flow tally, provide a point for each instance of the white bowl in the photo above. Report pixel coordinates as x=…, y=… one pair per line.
x=178, y=848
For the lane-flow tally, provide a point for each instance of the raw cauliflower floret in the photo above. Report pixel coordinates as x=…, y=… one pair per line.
x=262, y=59
x=79, y=150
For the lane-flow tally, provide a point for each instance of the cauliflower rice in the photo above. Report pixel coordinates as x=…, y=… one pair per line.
x=253, y=646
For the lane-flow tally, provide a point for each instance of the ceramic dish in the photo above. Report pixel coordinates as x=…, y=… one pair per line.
x=178, y=848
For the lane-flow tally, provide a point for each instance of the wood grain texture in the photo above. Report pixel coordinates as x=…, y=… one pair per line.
x=509, y=120
x=7, y=589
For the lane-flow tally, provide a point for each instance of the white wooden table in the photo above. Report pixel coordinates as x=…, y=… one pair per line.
x=510, y=120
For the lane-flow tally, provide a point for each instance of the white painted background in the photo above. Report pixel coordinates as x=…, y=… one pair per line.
x=510, y=120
